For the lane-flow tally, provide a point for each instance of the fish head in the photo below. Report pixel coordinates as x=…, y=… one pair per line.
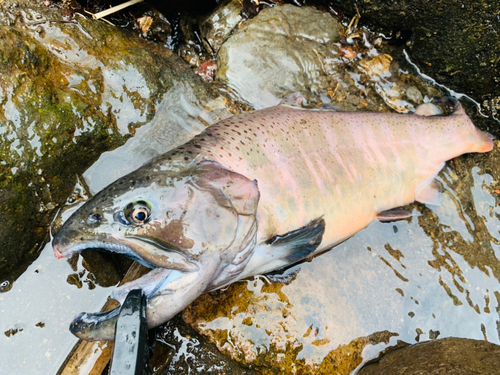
x=152, y=214
x=188, y=222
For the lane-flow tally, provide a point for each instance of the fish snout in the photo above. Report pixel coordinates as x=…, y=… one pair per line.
x=57, y=253
x=61, y=244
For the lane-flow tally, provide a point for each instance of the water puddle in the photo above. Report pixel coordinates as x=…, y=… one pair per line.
x=435, y=275
x=35, y=314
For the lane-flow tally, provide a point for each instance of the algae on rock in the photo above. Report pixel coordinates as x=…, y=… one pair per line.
x=70, y=89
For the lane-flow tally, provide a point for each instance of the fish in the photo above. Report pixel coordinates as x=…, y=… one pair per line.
x=258, y=192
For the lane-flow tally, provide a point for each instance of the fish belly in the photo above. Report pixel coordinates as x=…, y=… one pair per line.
x=343, y=166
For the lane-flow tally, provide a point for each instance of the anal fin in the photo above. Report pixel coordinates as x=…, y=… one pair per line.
x=394, y=214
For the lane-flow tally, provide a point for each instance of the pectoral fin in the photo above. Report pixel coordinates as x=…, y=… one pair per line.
x=394, y=214
x=300, y=243
x=283, y=250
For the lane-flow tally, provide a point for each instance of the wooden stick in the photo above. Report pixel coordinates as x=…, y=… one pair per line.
x=91, y=358
x=115, y=9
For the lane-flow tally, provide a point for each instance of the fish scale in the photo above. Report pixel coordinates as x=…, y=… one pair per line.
x=308, y=163
x=258, y=192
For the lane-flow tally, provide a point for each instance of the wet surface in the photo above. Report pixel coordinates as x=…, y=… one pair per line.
x=456, y=43
x=433, y=276
x=35, y=314
x=181, y=350
x=70, y=89
x=312, y=52
x=108, y=85
x=452, y=355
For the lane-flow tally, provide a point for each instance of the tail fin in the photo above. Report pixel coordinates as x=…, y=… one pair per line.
x=484, y=141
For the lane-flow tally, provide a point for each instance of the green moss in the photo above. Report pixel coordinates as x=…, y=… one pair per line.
x=64, y=95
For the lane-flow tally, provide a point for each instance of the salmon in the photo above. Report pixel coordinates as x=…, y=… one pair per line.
x=258, y=192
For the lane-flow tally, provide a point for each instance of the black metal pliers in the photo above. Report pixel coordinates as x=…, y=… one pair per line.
x=131, y=350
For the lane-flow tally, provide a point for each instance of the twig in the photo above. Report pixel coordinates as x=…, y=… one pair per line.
x=115, y=9
x=104, y=19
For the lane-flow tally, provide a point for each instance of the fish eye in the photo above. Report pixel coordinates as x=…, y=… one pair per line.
x=138, y=213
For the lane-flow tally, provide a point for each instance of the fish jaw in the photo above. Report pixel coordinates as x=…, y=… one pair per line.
x=169, y=294
x=95, y=326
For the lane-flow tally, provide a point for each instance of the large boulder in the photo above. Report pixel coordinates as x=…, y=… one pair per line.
x=287, y=48
x=72, y=88
x=278, y=52
x=450, y=356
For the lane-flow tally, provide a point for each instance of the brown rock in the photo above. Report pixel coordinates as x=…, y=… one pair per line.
x=451, y=356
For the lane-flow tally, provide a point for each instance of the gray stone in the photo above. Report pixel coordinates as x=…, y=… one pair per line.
x=217, y=26
x=278, y=52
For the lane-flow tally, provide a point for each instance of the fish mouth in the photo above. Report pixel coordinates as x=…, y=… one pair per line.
x=167, y=267
x=108, y=247
x=144, y=250
x=157, y=282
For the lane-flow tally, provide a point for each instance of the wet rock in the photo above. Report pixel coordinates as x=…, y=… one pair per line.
x=185, y=110
x=278, y=52
x=181, y=350
x=203, y=35
x=452, y=356
x=191, y=49
x=72, y=88
x=155, y=27
x=216, y=27
x=287, y=48
x=257, y=324
x=456, y=43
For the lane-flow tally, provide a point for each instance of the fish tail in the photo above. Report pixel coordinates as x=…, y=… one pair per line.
x=483, y=141
x=479, y=141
